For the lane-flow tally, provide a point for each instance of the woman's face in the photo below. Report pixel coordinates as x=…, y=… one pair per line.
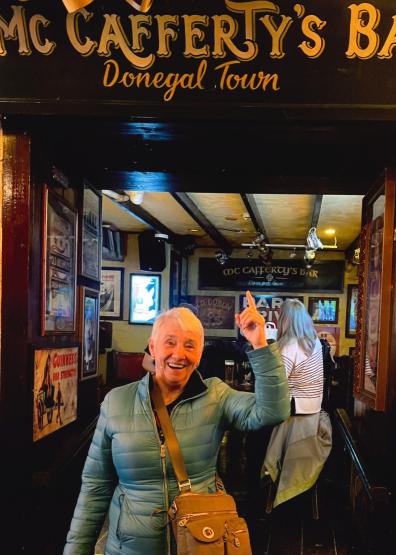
x=176, y=349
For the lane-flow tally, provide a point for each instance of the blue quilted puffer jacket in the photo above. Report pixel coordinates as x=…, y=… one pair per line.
x=126, y=475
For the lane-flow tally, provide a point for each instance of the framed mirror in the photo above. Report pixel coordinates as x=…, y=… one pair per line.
x=375, y=294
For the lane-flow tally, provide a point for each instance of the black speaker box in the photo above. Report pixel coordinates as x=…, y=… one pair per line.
x=151, y=252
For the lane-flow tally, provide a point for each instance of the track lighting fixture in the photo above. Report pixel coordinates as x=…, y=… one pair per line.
x=221, y=257
x=136, y=197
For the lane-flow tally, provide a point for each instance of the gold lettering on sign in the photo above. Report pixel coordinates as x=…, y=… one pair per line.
x=364, y=19
x=225, y=29
x=159, y=80
x=139, y=31
x=193, y=34
x=254, y=81
x=390, y=43
x=16, y=30
x=45, y=47
x=143, y=7
x=113, y=33
x=166, y=33
x=250, y=9
x=314, y=47
x=277, y=33
x=83, y=47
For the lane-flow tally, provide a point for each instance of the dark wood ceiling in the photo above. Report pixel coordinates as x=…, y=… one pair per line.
x=213, y=155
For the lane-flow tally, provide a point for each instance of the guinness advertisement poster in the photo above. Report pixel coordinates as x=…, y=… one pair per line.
x=123, y=53
x=239, y=274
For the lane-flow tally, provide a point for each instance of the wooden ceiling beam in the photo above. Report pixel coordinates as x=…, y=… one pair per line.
x=257, y=220
x=316, y=211
x=143, y=216
x=192, y=209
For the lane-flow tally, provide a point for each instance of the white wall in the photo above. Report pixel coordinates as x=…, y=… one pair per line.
x=128, y=337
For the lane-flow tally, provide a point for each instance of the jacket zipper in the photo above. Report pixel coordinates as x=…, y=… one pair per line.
x=163, y=463
x=163, y=468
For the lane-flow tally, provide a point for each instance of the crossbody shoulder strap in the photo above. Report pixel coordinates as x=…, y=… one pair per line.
x=171, y=440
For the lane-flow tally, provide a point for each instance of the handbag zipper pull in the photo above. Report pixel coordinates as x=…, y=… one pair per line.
x=163, y=451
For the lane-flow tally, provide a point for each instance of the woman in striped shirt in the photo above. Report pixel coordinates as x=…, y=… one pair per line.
x=302, y=356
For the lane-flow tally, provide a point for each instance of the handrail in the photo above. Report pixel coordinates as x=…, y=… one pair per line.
x=377, y=495
x=344, y=425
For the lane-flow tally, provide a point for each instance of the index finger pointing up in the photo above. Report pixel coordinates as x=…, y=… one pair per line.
x=250, y=299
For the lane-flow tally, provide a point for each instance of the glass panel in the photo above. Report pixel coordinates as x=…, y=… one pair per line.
x=373, y=294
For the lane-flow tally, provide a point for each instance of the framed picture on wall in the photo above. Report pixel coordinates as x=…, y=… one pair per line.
x=89, y=333
x=144, y=298
x=323, y=310
x=375, y=300
x=351, y=311
x=90, y=233
x=112, y=293
x=58, y=310
x=54, y=389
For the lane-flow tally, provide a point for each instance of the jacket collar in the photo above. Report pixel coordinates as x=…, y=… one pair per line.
x=195, y=386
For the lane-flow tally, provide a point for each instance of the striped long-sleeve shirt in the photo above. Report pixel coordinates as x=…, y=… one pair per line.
x=305, y=376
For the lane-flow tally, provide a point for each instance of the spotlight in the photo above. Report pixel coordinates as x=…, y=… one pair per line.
x=313, y=241
x=136, y=197
x=221, y=257
x=250, y=253
x=309, y=258
x=293, y=254
x=266, y=257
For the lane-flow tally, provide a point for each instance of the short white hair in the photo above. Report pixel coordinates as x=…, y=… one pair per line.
x=180, y=314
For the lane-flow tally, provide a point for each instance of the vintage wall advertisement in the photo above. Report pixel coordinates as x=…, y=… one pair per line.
x=55, y=389
x=215, y=312
x=268, y=305
x=59, y=266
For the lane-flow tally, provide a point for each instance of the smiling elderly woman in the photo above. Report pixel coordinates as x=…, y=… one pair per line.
x=128, y=471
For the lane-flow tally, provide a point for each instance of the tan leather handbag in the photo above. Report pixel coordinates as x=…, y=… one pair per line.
x=203, y=523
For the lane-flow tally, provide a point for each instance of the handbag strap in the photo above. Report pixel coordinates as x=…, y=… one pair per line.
x=171, y=440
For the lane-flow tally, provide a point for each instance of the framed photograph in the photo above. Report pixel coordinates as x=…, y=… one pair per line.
x=112, y=293
x=144, y=298
x=54, y=389
x=332, y=334
x=351, y=311
x=323, y=310
x=375, y=299
x=215, y=312
x=90, y=233
x=89, y=333
x=58, y=311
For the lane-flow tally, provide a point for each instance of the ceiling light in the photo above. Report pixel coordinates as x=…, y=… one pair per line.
x=193, y=230
x=136, y=197
x=330, y=231
x=313, y=241
x=115, y=196
x=221, y=257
